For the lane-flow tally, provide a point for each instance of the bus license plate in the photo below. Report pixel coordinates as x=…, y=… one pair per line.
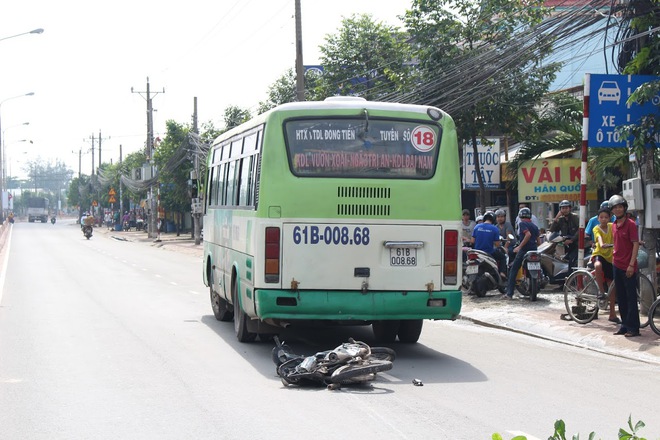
x=401, y=256
x=472, y=269
x=534, y=266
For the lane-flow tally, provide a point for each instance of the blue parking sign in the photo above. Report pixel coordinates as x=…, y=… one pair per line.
x=608, y=108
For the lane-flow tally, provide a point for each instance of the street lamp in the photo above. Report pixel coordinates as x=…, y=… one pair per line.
x=34, y=31
x=2, y=189
x=3, y=153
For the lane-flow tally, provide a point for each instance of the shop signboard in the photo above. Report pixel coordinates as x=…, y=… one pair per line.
x=489, y=164
x=550, y=180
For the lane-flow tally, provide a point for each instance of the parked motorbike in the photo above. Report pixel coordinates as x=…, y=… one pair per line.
x=87, y=231
x=530, y=278
x=351, y=362
x=482, y=274
x=52, y=220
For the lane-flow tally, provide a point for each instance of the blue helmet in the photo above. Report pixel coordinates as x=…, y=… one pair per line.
x=605, y=205
x=525, y=213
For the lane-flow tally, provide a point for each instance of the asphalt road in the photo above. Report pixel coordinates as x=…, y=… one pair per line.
x=106, y=338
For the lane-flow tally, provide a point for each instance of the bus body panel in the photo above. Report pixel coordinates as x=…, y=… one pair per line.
x=352, y=305
x=343, y=256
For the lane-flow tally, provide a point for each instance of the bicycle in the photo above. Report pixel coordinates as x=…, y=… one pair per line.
x=583, y=298
x=654, y=316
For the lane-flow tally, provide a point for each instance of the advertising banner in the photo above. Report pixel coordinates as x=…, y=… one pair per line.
x=550, y=180
x=489, y=164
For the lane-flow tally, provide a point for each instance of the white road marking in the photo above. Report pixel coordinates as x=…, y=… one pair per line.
x=389, y=377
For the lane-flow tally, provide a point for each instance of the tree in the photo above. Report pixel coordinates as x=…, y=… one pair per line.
x=49, y=179
x=283, y=90
x=476, y=65
x=235, y=116
x=364, y=58
x=174, y=168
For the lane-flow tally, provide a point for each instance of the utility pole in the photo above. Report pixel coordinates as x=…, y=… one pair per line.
x=121, y=199
x=153, y=219
x=196, y=206
x=300, y=73
x=92, y=138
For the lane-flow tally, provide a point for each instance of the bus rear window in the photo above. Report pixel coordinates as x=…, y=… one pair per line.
x=361, y=147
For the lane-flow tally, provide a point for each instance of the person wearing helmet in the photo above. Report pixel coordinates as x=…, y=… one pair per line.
x=486, y=238
x=528, y=236
x=505, y=229
x=624, y=262
x=591, y=224
x=535, y=220
x=567, y=225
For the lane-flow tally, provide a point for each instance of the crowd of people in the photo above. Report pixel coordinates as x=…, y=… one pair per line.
x=612, y=233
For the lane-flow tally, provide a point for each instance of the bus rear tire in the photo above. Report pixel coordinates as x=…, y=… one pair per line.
x=410, y=330
x=385, y=331
x=240, y=318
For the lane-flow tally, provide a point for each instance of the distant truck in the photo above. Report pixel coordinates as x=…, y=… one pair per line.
x=38, y=209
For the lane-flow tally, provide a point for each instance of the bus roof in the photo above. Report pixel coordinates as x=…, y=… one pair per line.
x=331, y=103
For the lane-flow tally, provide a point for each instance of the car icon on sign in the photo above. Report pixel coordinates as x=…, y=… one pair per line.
x=609, y=91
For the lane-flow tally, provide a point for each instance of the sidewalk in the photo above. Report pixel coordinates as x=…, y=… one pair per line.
x=170, y=241
x=541, y=319
x=538, y=319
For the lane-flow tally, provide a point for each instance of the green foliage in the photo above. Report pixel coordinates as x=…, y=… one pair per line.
x=560, y=432
x=364, y=58
x=174, y=168
x=283, y=90
x=448, y=33
x=235, y=116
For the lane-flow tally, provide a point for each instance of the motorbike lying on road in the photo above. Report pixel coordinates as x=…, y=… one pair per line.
x=351, y=362
x=87, y=231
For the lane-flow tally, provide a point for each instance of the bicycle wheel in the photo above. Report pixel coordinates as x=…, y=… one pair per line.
x=645, y=298
x=654, y=316
x=581, y=295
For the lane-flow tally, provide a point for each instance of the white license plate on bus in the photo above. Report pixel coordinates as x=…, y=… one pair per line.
x=403, y=256
x=472, y=269
x=534, y=266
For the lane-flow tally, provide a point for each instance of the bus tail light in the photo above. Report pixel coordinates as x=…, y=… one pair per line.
x=272, y=266
x=449, y=262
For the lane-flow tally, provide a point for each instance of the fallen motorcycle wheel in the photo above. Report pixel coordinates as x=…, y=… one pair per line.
x=349, y=373
x=382, y=354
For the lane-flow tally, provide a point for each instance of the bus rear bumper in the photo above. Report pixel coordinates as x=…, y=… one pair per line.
x=358, y=306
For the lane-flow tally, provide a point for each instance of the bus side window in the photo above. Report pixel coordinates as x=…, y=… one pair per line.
x=211, y=190
x=245, y=185
x=230, y=184
x=220, y=185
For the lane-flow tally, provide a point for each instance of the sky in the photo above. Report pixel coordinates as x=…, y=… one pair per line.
x=91, y=54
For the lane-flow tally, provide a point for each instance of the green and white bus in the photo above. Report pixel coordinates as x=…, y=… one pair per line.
x=343, y=211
